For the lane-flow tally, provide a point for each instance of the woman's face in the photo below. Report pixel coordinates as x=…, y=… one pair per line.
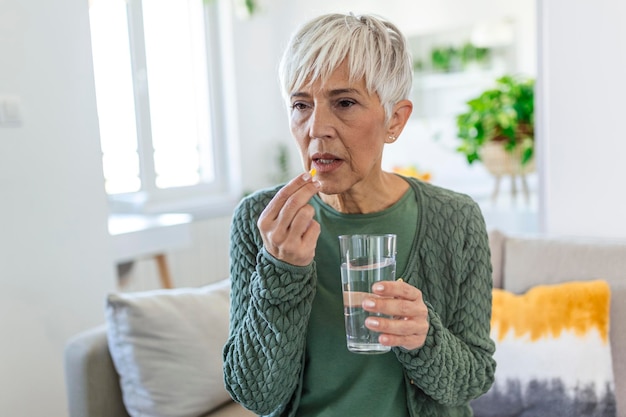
x=340, y=129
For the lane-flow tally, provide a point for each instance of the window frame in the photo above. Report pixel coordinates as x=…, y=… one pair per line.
x=205, y=199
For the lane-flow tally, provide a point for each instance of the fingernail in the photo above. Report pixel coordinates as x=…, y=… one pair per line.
x=306, y=176
x=373, y=322
x=369, y=303
x=378, y=287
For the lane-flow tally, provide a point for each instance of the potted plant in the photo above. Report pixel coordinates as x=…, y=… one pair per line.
x=444, y=59
x=474, y=55
x=498, y=127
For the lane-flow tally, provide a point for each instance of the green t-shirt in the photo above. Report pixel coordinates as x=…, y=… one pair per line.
x=338, y=383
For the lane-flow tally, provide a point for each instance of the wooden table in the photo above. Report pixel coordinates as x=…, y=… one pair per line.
x=138, y=236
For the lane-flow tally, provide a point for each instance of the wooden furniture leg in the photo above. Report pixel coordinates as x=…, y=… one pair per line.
x=164, y=272
x=496, y=190
x=513, y=186
x=525, y=189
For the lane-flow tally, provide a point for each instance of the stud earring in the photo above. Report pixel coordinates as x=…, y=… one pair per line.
x=391, y=139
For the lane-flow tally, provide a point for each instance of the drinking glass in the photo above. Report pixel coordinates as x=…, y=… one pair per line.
x=365, y=260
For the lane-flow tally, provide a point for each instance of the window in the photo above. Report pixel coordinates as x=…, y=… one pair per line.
x=153, y=63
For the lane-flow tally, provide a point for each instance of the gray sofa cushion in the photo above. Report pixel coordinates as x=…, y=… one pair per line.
x=532, y=261
x=92, y=383
x=618, y=345
x=496, y=245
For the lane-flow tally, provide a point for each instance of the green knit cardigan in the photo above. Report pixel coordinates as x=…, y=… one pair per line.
x=271, y=303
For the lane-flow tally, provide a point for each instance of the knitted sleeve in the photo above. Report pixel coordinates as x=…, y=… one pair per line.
x=270, y=305
x=456, y=363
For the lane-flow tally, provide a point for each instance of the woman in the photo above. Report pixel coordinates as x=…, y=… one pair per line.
x=346, y=80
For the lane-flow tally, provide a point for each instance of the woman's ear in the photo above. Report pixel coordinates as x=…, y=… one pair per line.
x=399, y=117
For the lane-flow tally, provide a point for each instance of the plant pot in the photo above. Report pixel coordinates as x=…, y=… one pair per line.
x=499, y=161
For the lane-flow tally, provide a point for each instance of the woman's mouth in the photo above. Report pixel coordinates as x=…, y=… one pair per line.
x=326, y=162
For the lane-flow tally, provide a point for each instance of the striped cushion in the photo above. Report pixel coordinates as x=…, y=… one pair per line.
x=553, y=352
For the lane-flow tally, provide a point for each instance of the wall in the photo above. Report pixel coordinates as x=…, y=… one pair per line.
x=54, y=253
x=582, y=97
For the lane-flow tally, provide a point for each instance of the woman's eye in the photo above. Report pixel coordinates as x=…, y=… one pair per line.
x=298, y=106
x=346, y=103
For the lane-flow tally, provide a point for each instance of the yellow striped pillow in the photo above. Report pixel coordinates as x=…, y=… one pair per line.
x=552, y=351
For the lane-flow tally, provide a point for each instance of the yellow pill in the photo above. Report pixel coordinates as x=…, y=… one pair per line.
x=312, y=172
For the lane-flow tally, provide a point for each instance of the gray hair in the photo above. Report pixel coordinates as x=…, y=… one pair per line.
x=374, y=48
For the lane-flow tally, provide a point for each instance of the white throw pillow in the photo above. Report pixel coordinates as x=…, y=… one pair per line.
x=167, y=348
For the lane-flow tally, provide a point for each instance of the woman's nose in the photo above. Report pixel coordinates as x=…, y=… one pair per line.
x=320, y=122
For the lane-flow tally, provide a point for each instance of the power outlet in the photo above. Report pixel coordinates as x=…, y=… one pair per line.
x=10, y=111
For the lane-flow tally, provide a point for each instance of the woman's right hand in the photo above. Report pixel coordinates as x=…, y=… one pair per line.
x=287, y=226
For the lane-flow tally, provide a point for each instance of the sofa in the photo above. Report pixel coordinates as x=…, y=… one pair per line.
x=523, y=262
x=95, y=387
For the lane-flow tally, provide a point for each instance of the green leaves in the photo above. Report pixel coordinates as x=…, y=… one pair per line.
x=504, y=113
x=250, y=5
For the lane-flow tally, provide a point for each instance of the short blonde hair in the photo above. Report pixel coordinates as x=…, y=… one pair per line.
x=374, y=48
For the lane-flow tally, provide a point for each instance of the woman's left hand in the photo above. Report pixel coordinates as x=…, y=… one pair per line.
x=409, y=326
